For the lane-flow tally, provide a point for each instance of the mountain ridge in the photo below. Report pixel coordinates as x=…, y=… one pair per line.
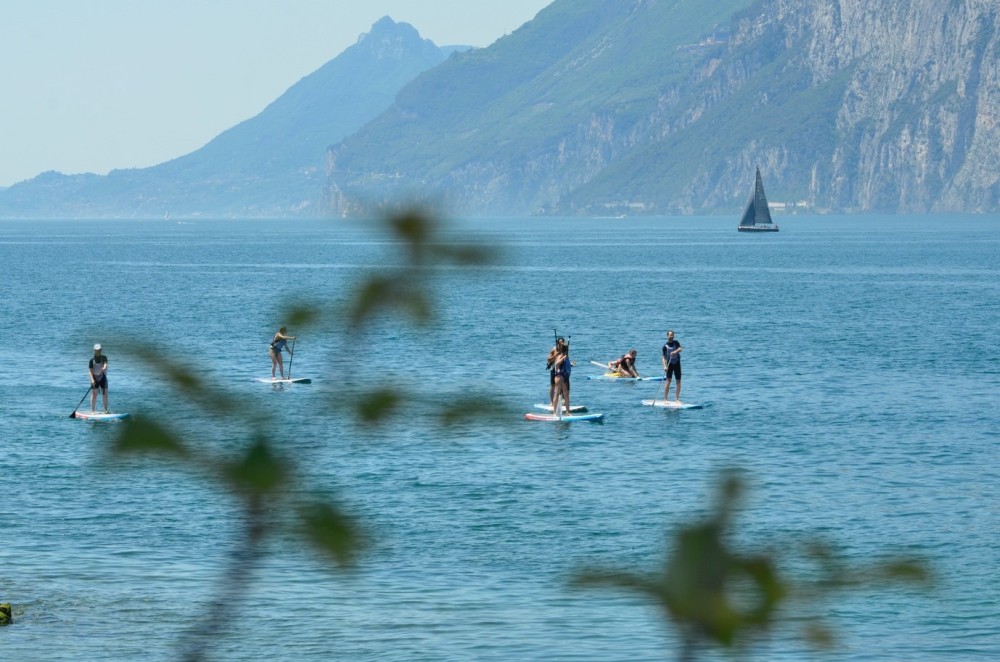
x=853, y=106
x=272, y=164
x=609, y=107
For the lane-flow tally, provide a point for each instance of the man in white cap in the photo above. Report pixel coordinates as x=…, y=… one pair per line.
x=98, y=377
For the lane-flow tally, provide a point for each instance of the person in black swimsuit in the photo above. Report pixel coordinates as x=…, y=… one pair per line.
x=553, y=353
x=561, y=368
x=625, y=366
x=278, y=343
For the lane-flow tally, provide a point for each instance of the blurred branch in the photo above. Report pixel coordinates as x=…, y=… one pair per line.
x=714, y=594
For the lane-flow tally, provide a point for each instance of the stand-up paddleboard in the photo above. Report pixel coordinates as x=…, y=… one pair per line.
x=573, y=409
x=100, y=416
x=671, y=404
x=572, y=418
x=612, y=377
x=279, y=380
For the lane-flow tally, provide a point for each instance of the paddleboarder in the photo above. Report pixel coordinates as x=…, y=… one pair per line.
x=278, y=343
x=560, y=346
x=561, y=368
x=97, y=368
x=672, y=364
x=625, y=366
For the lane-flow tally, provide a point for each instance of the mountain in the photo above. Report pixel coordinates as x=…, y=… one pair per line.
x=666, y=106
x=602, y=107
x=270, y=165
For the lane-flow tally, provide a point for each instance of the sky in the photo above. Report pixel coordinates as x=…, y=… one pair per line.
x=96, y=85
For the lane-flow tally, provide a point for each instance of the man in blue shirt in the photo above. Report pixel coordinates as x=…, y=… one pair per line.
x=672, y=364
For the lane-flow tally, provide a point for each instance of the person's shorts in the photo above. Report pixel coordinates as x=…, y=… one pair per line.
x=674, y=369
x=101, y=383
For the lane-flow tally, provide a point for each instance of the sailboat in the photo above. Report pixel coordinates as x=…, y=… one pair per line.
x=757, y=217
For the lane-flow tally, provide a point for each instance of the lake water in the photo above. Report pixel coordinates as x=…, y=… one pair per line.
x=849, y=367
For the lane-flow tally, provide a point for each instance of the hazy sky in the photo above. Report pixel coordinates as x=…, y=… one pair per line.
x=94, y=85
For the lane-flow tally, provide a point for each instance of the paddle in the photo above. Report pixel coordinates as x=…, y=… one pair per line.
x=73, y=415
x=290, y=359
x=658, y=390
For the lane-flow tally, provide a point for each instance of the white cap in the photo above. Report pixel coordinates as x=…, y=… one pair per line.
x=97, y=346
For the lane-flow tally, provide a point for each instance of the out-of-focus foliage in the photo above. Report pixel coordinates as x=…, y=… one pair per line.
x=408, y=290
x=710, y=590
x=261, y=473
x=716, y=593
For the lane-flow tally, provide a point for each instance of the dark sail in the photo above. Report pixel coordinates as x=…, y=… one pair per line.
x=757, y=214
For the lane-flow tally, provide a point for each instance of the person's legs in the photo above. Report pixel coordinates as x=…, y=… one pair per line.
x=557, y=396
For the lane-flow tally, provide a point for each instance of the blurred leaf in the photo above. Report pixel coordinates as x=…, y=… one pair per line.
x=467, y=255
x=908, y=570
x=182, y=377
x=142, y=435
x=819, y=635
x=401, y=292
x=378, y=405
x=302, y=314
x=258, y=472
x=477, y=407
x=330, y=532
x=415, y=230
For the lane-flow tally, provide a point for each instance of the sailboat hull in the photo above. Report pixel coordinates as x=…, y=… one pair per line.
x=757, y=228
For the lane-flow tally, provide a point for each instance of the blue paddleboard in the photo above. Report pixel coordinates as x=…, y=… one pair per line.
x=609, y=377
x=564, y=419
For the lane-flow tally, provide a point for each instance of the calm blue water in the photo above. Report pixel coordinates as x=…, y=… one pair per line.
x=849, y=366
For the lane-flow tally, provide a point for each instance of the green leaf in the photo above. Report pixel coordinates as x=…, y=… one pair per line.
x=258, y=472
x=477, y=407
x=331, y=532
x=301, y=315
x=142, y=435
x=378, y=405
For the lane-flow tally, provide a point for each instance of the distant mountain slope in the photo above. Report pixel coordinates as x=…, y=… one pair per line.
x=664, y=106
x=270, y=165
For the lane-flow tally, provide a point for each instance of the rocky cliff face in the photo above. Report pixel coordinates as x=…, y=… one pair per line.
x=847, y=105
x=916, y=123
x=885, y=107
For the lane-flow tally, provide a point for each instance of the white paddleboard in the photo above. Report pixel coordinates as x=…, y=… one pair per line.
x=99, y=416
x=564, y=419
x=574, y=409
x=279, y=380
x=671, y=404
